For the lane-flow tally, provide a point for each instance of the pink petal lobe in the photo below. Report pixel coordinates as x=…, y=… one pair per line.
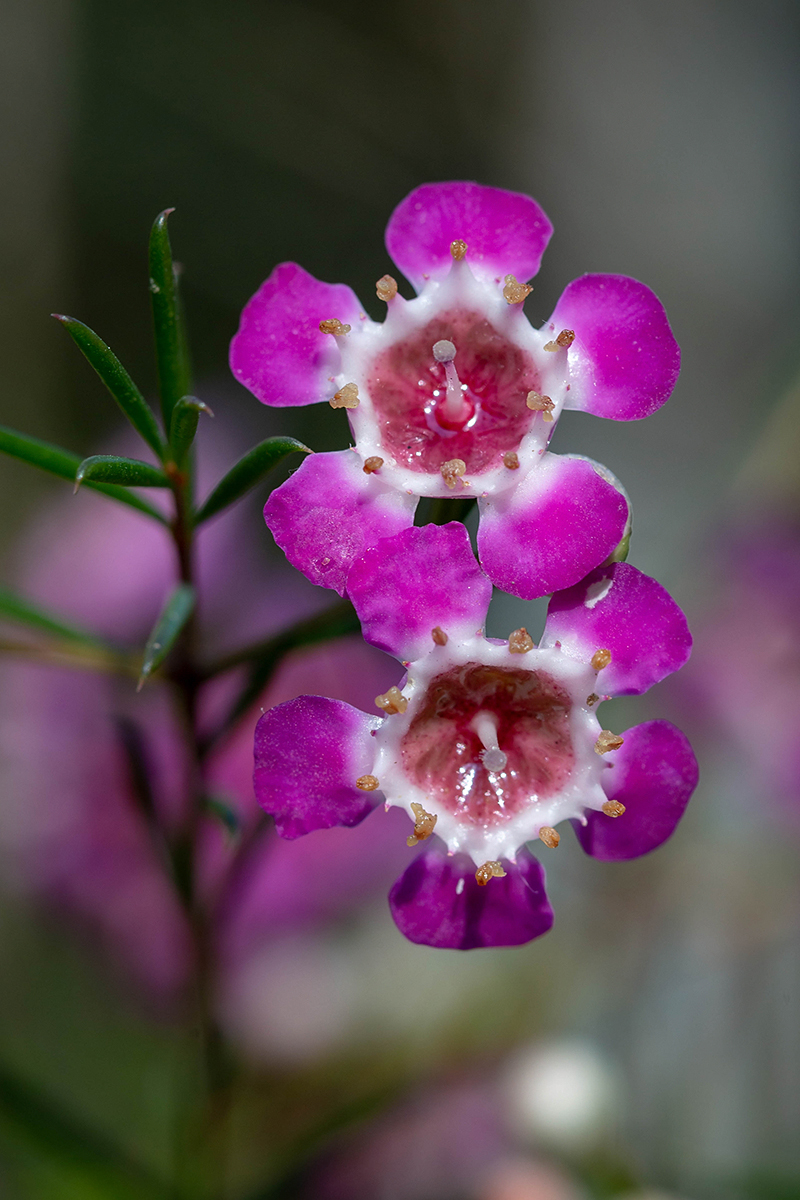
x=423, y=577
x=653, y=775
x=278, y=352
x=309, y=753
x=438, y=902
x=506, y=232
x=624, y=361
x=330, y=511
x=559, y=523
x=619, y=609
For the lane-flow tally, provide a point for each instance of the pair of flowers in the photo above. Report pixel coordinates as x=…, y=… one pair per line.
x=487, y=745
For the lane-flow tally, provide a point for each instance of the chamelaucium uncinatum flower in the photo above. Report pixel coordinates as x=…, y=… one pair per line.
x=487, y=744
x=455, y=394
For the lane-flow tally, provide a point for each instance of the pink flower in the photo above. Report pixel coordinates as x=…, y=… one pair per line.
x=455, y=394
x=487, y=744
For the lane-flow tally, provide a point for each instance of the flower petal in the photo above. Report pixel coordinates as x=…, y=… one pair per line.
x=278, y=351
x=400, y=598
x=329, y=512
x=653, y=774
x=438, y=902
x=618, y=608
x=309, y=753
x=624, y=361
x=505, y=232
x=560, y=522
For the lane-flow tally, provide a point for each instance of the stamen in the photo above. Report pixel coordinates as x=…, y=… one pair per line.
x=542, y=404
x=439, y=636
x=601, y=659
x=458, y=249
x=613, y=808
x=511, y=460
x=592, y=699
x=334, y=326
x=455, y=408
x=492, y=757
x=392, y=701
x=424, y=824
x=372, y=464
x=520, y=641
x=368, y=783
x=489, y=870
x=551, y=837
x=564, y=339
x=514, y=291
x=386, y=288
x=608, y=741
x=346, y=397
x=452, y=471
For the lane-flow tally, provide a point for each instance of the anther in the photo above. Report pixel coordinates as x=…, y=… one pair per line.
x=542, y=404
x=452, y=471
x=520, y=641
x=334, y=326
x=492, y=757
x=392, y=701
x=592, y=699
x=368, y=783
x=489, y=870
x=551, y=837
x=439, y=636
x=613, y=808
x=346, y=397
x=386, y=288
x=514, y=291
x=608, y=741
x=601, y=659
x=458, y=249
x=511, y=460
x=424, y=824
x=564, y=340
x=372, y=464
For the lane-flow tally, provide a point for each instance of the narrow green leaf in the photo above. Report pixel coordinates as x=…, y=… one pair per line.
x=174, y=615
x=117, y=380
x=65, y=464
x=123, y=472
x=25, y=612
x=172, y=355
x=185, y=415
x=247, y=472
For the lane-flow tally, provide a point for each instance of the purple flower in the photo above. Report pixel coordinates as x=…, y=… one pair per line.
x=455, y=394
x=487, y=744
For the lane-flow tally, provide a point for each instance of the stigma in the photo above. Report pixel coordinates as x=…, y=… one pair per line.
x=492, y=757
x=455, y=410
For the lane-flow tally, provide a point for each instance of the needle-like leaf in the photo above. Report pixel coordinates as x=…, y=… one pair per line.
x=248, y=472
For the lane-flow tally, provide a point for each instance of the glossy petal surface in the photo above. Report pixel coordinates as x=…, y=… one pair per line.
x=506, y=232
x=423, y=577
x=558, y=524
x=438, y=902
x=309, y=753
x=653, y=774
x=624, y=361
x=329, y=512
x=618, y=608
x=278, y=352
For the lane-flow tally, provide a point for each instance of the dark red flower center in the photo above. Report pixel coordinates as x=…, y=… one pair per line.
x=444, y=755
x=409, y=390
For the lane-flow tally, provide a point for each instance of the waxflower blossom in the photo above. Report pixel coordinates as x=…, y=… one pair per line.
x=455, y=394
x=487, y=744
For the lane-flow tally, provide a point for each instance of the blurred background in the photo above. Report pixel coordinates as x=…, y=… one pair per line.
x=651, y=1043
